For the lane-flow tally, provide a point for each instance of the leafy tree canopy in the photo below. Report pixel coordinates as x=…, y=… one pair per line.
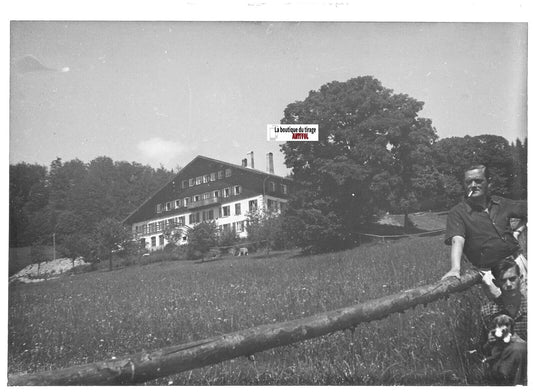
x=372, y=149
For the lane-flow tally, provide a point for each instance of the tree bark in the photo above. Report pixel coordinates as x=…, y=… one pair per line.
x=143, y=366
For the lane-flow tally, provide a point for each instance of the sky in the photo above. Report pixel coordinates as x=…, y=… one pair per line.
x=161, y=93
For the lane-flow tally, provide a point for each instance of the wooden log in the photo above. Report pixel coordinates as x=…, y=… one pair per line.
x=144, y=366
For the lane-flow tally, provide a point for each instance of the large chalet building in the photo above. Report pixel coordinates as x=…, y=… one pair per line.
x=208, y=189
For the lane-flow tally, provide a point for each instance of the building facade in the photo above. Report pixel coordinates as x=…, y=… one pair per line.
x=207, y=190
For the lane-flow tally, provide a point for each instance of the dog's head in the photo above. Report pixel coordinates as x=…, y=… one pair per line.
x=502, y=328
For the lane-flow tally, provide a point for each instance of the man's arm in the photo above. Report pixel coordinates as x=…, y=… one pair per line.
x=456, y=253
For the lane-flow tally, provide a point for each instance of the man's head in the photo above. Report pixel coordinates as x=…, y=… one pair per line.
x=507, y=277
x=476, y=182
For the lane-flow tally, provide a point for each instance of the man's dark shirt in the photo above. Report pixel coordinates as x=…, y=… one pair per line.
x=488, y=236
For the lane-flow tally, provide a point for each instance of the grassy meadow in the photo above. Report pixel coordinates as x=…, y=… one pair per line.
x=98, y=315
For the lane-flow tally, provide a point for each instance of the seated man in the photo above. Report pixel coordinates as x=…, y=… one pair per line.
x=509, y=366
x=479, y=228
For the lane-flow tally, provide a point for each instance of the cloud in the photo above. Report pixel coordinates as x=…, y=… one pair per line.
x=157, y=151
x=29, y=63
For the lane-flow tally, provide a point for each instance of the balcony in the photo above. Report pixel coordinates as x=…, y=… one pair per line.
x=202, y=203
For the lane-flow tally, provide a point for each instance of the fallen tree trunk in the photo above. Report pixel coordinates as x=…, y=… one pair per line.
x=141, y=367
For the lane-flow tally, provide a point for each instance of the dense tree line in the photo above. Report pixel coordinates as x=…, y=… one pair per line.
x=71, y=198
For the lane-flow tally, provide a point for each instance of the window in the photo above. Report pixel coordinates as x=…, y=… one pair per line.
x=216, y=193
x=159, y=208
x=284, y=189
x=252, y=205
x=178, y=203
x=191, y=182
x=152, y=241
x=213, y=176
x=228, y=172
x=227, y=192
x=206, y=195
x=211, y=214
x=184, y=184
x=272, y=186
x=237, y=208
x=158, y=226
x=168, y=206
x=226, y=227
x=145, y=229
x=196, y=197
x=206, y=178
x=204, y=216
x=194, y=218
x=272, y=205
x=181, y=220
x=240, y=227
x=186, y=201
x=220, y=174
x=161, y=240
x=226, y=211
x=151, y=228
x=143, y=243
x=237, y=190
x=198, y=180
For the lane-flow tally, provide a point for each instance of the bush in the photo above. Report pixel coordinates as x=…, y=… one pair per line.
x=228, y=238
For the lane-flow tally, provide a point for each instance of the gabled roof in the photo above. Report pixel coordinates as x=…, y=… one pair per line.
x=201, y=157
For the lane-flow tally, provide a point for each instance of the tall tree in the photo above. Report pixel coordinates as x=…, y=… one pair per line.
x=201, y=238
x=27, y=194
x=265, y=227
x=110, y=237
x=372, y=148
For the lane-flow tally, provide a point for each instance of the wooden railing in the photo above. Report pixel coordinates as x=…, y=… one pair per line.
x=141, y=367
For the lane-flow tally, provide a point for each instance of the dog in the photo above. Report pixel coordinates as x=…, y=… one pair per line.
x=501, y=334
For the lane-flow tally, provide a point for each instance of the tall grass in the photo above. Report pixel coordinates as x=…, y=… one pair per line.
x=96, y=316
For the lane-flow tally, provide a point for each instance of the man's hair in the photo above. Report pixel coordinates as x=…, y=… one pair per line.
x=479, y=167
x=502, y=267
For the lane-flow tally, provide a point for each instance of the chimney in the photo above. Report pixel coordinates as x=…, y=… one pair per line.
x=251, y=153
x=270, y=163
x=244, y=162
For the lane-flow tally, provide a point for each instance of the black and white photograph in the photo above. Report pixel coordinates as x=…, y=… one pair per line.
x=252, y=201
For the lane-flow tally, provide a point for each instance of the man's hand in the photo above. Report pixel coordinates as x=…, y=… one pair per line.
x=452, y=273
